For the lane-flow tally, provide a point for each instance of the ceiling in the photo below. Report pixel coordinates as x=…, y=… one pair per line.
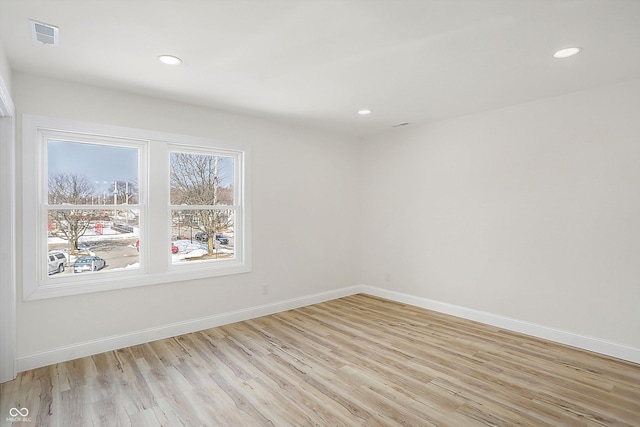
x=317, y=62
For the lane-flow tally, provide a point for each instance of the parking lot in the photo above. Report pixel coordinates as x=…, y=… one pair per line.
x=119, y=253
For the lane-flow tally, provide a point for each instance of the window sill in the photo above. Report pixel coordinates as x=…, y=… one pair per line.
x=114, y=281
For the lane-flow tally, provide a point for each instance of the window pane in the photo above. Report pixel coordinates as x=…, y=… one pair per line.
x=81, y=240
x=202, y=234
x=91, y=174
x=201, y=179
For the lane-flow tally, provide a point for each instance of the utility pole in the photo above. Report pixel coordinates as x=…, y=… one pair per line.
x=126, y=198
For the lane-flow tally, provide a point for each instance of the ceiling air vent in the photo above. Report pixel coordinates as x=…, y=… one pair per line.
x=44, y=33
x=400, y=125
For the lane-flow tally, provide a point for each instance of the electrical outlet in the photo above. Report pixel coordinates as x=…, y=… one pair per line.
x=265, y=288
x=388, y=277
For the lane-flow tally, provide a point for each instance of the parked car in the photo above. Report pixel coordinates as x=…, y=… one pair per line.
x=203, y=237
x=56, y=262
x=88, y=263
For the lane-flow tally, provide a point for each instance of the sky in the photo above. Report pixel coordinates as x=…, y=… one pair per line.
x=104, y=164
x=100, y=164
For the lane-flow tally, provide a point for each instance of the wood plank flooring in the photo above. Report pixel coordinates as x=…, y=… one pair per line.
x=355, y=361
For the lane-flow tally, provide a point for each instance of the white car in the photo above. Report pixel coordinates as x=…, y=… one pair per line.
x=88, y=263
x=56, y=261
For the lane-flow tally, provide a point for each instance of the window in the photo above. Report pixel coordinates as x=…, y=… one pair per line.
x=91, y=225
x=202, y=203
x=92, y=204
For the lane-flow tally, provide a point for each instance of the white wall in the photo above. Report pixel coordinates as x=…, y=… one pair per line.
x=305, y=231
x=5, y=70
x=7, y=224
x=530, y=212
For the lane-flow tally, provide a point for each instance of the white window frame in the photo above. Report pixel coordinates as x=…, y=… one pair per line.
x=155, y=211
x=239, y=218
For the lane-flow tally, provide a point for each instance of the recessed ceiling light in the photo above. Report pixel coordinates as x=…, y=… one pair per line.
x=364, y=112
x=565, y=53
x=169, y=59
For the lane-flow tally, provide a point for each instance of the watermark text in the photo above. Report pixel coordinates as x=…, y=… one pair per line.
x=18, y=415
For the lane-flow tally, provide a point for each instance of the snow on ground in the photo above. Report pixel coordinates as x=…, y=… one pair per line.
x=190, y=249
x=92, y=237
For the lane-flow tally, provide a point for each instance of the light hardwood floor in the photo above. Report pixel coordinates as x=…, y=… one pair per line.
x=358, y=360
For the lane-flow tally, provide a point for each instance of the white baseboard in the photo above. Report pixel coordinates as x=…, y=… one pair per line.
x=88, y=348
x=596, y=345
x=101, y=345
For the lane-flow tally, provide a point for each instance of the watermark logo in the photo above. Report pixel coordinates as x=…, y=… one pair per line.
x=14, y=412
x=17, y=415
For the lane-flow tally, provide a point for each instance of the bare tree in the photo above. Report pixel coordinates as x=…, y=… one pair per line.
x=195, y=180
x=127, y=192
x=70, y=189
